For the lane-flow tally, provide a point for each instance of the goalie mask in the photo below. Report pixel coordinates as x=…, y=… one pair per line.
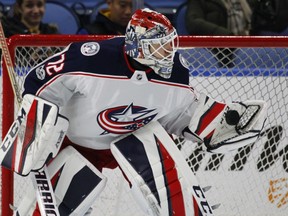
x=152, y=40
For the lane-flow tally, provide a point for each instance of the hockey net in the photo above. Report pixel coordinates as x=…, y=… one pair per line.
x=250, y=181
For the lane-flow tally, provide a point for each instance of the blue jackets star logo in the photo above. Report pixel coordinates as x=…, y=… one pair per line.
x=124, y=119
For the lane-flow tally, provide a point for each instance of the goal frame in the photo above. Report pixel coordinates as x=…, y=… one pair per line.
x=63, y=40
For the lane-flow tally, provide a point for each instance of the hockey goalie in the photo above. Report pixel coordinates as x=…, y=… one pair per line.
x=115, y=103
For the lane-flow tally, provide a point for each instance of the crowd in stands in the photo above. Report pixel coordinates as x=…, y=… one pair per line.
x=110, y=17
x=236, y=17
x=203, y=17
x=27, y=19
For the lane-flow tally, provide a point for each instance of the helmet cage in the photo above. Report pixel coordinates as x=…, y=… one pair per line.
x=160, y=55
x=149, y=50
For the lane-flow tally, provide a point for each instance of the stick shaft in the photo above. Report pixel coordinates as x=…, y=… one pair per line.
x=17, y=93
x=9, y=65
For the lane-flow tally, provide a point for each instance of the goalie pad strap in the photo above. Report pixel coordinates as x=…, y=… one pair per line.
x=36, y=134
x=154, y=165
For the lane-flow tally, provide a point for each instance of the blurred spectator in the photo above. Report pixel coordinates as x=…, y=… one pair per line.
x=27, y=19
x=269, y=17
x=221, y=17
x=235, y=17
x=111, y=21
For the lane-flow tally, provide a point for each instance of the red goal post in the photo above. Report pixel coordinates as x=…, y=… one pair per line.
x=250, y=181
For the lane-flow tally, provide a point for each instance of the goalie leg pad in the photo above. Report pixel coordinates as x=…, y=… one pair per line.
x=225, y=127
x=159, y=174
x=35, y=135
x=76, y=182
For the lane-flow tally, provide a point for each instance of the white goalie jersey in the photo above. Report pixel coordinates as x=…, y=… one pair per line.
x=104, y=101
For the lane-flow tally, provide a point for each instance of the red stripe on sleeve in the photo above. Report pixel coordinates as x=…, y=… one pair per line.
x=209, y=116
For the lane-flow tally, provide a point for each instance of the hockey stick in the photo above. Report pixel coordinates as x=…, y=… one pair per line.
x=37, y=177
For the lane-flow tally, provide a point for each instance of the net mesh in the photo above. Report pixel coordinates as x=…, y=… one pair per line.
x=250, y=181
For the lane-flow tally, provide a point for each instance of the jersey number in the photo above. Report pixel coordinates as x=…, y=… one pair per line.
x=55, y=67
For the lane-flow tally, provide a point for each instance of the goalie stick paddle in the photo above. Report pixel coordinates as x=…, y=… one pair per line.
x=45, y=208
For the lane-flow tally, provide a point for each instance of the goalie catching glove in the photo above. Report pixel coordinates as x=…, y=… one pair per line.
x=35, y=136
x=225, y=127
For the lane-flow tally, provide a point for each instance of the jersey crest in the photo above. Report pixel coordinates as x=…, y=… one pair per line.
x=90, y=48
x=124, y=119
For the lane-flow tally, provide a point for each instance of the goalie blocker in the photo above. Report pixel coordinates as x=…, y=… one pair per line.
x=35, y=136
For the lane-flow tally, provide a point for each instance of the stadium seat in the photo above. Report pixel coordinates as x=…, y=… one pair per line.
x=165, y=3
x=63, y=16
x=5, y=8
x=166, y=7
x=2, y=7
x=87, y=3
x=179, y=20
x=100, y=5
